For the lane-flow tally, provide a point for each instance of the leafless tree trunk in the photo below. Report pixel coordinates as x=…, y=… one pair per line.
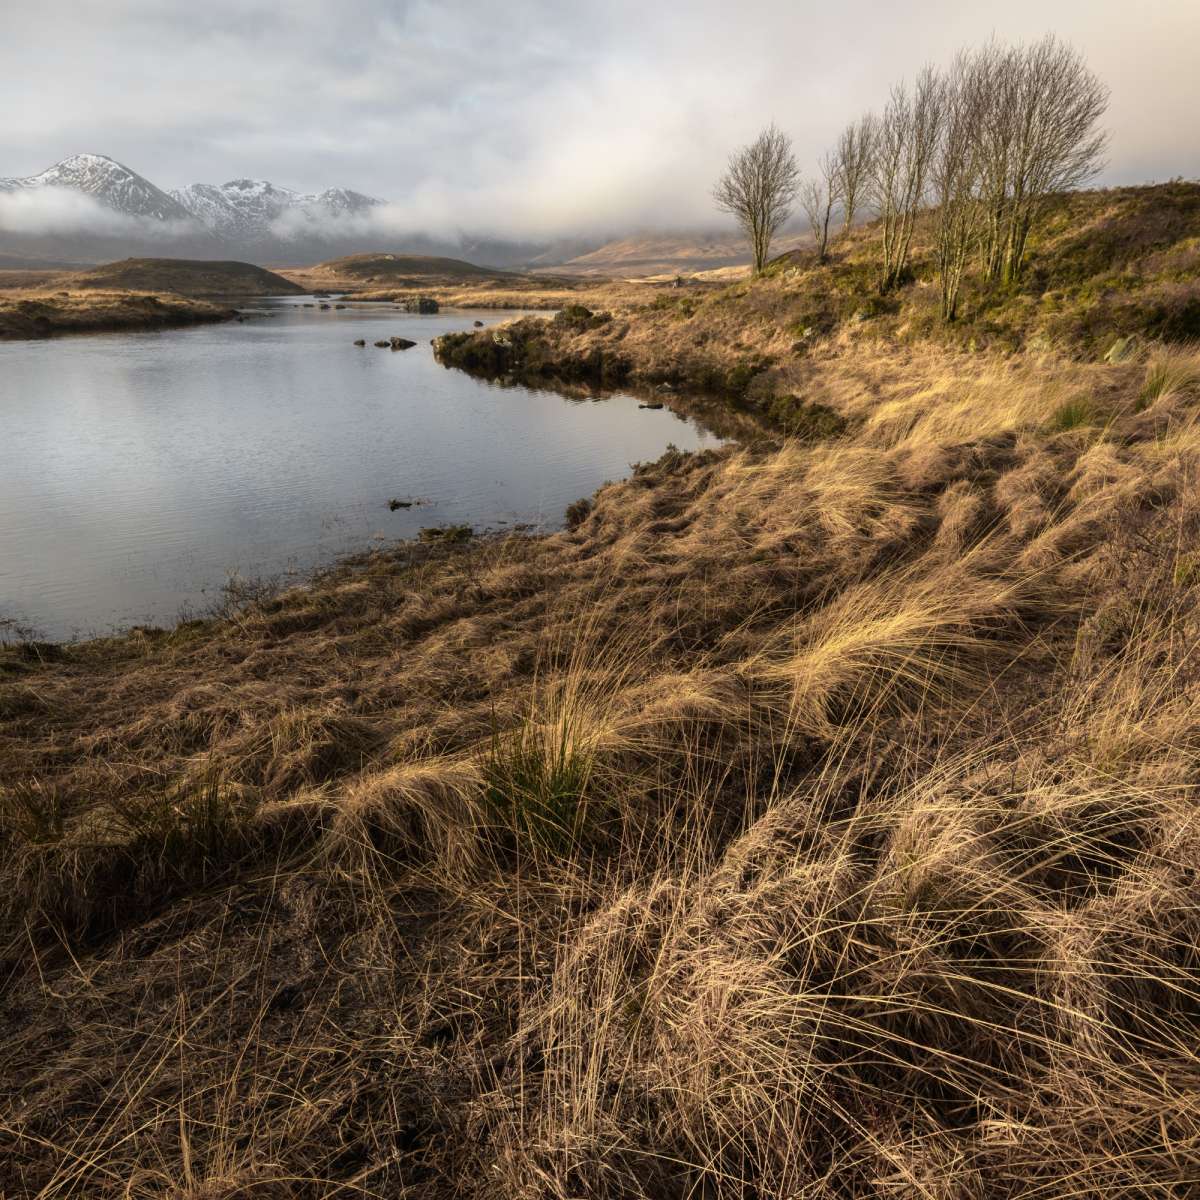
x=956, y=174
x=759, y=187
x=854, y=154
x=818, y=197
x=907, y=139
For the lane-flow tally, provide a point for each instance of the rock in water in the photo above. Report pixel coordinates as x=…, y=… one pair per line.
x=360, y=341
x=420, y=304
x=399, y=343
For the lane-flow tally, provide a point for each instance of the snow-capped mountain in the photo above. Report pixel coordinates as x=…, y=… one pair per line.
x=244, y=218
x=251, y=210
x=108, y=181
x=242, y=212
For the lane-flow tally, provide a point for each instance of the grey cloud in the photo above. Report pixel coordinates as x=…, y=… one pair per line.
x=532, y=117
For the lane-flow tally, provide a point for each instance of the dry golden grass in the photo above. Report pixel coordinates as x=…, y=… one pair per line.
x=812, y=820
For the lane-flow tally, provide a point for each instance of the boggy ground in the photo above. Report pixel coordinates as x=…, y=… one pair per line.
x=814, y=819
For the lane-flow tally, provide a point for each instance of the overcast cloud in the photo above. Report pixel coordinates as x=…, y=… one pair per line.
x=531, y=117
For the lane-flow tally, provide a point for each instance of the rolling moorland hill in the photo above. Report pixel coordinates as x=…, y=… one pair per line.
x=810, y=817
x=182, y=277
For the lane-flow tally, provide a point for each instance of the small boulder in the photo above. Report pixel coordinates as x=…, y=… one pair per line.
x=360, y=341
x=1123, y=349
x=478, y=324
x=384, y=344
x=400, y=343
x=324, y=307
x=652, y=404
x=394, y=504
x=339, y=306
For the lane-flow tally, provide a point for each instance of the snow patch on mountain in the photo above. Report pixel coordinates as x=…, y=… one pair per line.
x=111, y=183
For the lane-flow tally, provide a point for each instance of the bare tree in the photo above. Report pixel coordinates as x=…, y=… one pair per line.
x=1040, y=137
x=818, y=197
x=1057, y=146
x=855, y=153
x=759, y=187
x=907, y=138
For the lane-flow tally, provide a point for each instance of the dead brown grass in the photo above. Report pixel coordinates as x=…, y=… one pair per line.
x=815, y=820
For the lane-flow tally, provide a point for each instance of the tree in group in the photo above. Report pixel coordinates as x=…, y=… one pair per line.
x=907, y=138
x=854, y=155
x=758, y=188
x=1040, y=137
x=818, y=197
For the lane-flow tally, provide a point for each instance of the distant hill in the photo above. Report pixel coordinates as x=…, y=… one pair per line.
x=663, y=253
x=379, y=269
x=184, y=277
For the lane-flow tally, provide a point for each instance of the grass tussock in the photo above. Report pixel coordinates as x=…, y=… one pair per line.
x=811, y=819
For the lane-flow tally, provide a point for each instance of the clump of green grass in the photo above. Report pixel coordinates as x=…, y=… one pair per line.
x=535, y=779
x=1187, y=571
x=1169, y=373
x=1078, y=413
x=447, y=535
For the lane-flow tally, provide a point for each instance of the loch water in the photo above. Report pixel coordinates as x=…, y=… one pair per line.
x=139, y=472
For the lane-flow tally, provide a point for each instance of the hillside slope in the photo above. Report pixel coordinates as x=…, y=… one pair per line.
x=1106, y=265
x=183, y=277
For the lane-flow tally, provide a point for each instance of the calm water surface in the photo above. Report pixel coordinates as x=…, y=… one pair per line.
x=138, y=471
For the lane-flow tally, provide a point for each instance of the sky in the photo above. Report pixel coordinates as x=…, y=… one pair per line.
x=533, y=118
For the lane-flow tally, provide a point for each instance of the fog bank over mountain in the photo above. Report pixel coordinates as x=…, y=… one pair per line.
x=532, y=122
